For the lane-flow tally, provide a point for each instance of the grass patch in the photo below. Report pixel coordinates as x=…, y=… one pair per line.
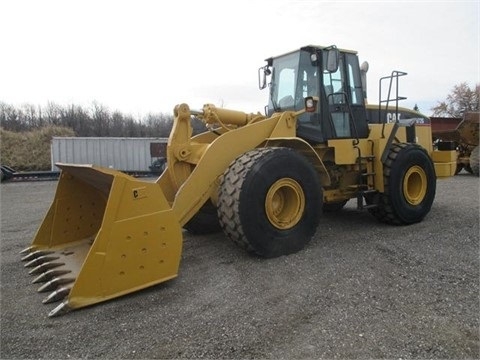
x=29, y=151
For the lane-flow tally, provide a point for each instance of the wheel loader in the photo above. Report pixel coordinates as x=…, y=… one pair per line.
x=264, y=179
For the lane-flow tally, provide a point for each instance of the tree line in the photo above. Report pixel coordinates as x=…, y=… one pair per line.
x=97, y=120
x=94, y=121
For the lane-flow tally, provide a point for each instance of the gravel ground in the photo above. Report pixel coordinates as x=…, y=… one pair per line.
x=360, y=289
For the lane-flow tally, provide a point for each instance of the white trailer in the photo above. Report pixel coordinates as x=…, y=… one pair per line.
x=120, y=153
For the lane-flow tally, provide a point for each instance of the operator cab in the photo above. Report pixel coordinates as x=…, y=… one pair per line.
x=324, y=72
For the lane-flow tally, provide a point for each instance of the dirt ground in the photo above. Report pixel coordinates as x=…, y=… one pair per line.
x=360, y=289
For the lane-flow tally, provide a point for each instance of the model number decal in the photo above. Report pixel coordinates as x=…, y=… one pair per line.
x=392, y=117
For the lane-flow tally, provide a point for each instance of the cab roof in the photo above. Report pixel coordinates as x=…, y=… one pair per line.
x=310, y=47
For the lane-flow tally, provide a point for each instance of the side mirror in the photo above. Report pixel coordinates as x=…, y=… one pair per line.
x=332, y=59
x=263, y=72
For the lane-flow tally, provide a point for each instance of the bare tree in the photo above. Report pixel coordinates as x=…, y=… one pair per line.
x=53, y=113
x=461, y=99
x=9, y=118
x=101, y=119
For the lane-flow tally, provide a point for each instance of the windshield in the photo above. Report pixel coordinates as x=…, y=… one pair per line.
x=293, y=78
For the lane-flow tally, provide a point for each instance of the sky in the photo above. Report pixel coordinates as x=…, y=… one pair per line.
x=146, y=56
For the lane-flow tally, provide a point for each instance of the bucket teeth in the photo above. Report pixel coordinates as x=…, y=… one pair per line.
x=40, y=260
x=49, y=275
x=54, y=283
x=60, y=309
x=57, y=295
x=27, y=250
x=36, y=254
x=44, y=267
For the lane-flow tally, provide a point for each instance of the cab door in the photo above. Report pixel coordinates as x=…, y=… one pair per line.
x=344, y=99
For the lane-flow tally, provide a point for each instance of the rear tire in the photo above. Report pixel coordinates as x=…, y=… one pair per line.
x=270, y=201
x=409, y=186
x=458, y=169
x=474, y=161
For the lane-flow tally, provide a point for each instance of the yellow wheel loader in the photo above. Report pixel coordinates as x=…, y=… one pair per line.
x=265, y=179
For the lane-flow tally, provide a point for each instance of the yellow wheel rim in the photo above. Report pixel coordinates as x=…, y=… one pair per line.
x=285, y=203
x=415, y=185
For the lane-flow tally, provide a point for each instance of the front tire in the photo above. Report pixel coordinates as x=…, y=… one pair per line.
x=270, y=201
x=409, y=186
x=205, y=221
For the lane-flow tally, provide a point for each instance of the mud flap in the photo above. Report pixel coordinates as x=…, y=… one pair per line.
x=106, y=234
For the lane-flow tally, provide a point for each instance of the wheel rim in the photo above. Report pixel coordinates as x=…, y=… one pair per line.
x=415, y=185
x=285, y=203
